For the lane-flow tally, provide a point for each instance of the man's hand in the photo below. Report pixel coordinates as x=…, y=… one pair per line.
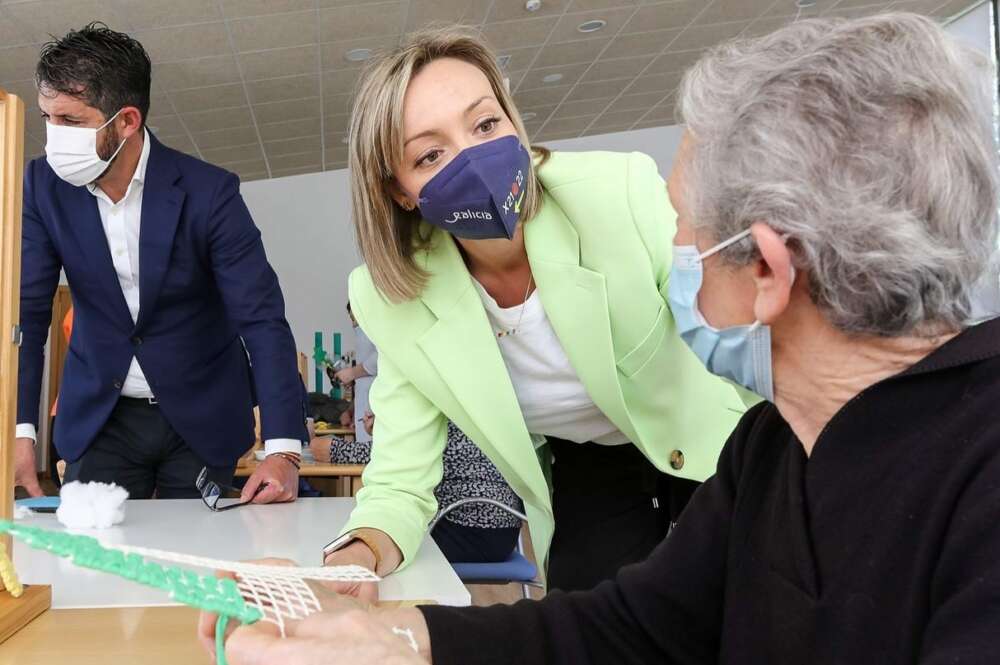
x=24, y=466
x=281, y=478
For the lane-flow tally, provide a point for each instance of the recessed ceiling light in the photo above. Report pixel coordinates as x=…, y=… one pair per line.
x=552, y=78
x=591, y=26
x=805, y=4
x=358, y=54
x=528, y=115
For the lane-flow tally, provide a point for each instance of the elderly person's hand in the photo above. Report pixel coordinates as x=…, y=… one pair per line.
x=333, y=604
x=347, y=418
x=327, y=638
x=369, y=422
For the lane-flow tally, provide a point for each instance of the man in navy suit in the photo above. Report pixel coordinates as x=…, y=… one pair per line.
x=179, y=326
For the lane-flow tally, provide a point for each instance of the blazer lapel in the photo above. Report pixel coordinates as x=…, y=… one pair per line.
x=161, y=209
x=576, y=304
x=81, y=207
x=462, y=348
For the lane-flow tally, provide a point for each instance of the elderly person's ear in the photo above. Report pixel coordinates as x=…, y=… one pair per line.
x=774, y=274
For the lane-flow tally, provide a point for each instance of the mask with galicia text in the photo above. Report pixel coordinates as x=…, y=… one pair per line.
x=480, y=193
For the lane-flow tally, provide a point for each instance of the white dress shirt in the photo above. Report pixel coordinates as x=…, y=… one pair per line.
x=121, y=222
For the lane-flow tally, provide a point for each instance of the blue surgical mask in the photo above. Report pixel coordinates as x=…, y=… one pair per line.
x=741, y=354
x=479, y=194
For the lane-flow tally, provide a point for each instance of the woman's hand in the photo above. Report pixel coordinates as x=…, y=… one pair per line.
x=320, y=447
x=328, y=638
x=355, y=554
x=348, y=375
x=369, y=421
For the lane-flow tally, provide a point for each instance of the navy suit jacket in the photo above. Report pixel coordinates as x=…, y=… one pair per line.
x=208, y=298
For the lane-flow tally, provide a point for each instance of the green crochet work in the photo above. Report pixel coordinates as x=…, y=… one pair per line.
x=205, y=592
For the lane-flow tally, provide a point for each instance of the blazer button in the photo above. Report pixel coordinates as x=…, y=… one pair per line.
x=137, y=341
x=118, y=385
x=677, y=460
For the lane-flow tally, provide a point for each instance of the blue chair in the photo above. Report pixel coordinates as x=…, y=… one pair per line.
x=515, y=569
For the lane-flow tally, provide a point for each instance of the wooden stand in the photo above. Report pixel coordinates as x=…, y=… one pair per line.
x=15, y=613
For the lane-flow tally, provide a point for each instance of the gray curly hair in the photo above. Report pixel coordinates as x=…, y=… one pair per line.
x=869, y=143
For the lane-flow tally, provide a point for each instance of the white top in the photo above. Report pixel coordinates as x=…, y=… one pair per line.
x=121, y=222
x=296, y=531
x=553, y=400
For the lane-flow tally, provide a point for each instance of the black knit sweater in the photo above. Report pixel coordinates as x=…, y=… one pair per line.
x=882, y=547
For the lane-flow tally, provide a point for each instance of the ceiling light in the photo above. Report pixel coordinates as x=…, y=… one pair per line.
x=533, y=5
x=552, y=78
x=805, y=4
x=358, y=54
x=528, y=115
x=591, y=26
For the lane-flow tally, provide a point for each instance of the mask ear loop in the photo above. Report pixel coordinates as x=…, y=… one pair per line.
x=120, y=145
x=110, y=120
x=732, y=241
x=722, y=245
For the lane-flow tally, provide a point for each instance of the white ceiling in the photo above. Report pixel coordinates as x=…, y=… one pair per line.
x=263, y=87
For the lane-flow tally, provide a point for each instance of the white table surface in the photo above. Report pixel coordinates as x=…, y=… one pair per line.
x=295, y=531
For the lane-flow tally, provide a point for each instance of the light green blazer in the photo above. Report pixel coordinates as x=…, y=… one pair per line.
x=600, y=255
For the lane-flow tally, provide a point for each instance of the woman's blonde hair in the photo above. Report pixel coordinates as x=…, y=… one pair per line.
x=387, y=235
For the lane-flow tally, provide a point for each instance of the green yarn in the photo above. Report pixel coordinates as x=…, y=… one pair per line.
x=205, y=592
x=220, y=639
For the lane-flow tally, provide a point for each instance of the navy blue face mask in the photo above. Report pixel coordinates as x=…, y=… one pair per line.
x=479, y=194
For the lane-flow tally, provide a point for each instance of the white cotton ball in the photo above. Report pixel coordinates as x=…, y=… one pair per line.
x=91, y=505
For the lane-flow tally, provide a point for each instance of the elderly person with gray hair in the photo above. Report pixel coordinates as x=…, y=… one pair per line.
x=836, y=197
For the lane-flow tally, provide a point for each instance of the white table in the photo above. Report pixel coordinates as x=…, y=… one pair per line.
x=295, y=531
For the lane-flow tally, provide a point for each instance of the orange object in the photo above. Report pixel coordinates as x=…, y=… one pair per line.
x=67, y=327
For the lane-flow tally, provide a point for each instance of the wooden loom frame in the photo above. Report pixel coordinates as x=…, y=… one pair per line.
x=15, y=613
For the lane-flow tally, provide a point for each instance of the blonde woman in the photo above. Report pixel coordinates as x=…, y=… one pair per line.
x=521, y=295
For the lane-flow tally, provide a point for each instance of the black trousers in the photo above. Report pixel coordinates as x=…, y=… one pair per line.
x=470, y=544
x=139, y=450
x=611, y=506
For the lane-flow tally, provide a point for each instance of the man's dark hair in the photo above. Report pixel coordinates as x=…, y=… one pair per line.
x=108, y=70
